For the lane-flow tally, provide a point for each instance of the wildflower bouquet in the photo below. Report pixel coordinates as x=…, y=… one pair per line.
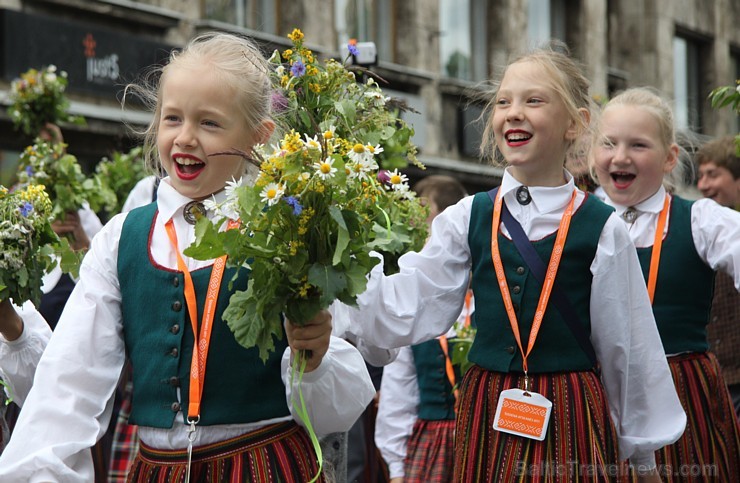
x=321, y=202
x=37, y=98
x=27, y=242
x=119, y=174
x=49, y=164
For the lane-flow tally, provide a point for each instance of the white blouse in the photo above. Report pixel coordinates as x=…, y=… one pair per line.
x=424, y=299
x=19, y=357
x=70, y=404
x=715, y=230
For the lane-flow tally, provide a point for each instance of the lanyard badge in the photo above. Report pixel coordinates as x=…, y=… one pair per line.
x=523, y=412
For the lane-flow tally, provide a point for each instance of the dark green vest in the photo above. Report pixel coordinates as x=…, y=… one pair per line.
x=436, y=399
x=556, y=348
x=685, y=285
x=238, y=388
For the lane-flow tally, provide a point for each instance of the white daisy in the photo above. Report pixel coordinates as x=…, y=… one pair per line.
x=312, y=143
x=272, y=193
x=325, y=169
x=398, y=181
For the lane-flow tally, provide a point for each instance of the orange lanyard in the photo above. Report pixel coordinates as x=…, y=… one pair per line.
x=552, y=270
x=200, y=344
x=445, y=347
x=657, y=244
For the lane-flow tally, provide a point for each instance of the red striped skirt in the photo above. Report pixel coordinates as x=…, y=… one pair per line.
x=580, y=445
x=709, y=449
x=279, y=452
x=430, y=452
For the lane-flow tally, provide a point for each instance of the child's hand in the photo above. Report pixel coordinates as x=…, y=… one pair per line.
x=71, y=225
x=314, y=336
x=11, y=324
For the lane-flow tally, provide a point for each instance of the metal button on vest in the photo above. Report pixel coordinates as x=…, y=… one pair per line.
x=175, y=328
x=520, y=270
x=510, y=349
x=174, y=352
x=174, y=381
x=175, y=406
x=176, y=305
x=175, y=282
x=516, y=289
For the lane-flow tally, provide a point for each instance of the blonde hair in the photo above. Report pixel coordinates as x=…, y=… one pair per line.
x=236, y=60
x=659, y=108
x=569, y=83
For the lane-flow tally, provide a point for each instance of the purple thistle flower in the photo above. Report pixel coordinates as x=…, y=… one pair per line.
x=384, y=177
x=352, y=47
x=279, y=102
x=298, y=69
x=292, y=201
x=26, y=208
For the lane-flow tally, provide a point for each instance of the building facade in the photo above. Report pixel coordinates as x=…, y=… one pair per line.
x=436, y=55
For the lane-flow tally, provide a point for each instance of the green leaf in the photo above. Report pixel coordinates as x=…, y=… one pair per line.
x=330, y=282
x=342, y=234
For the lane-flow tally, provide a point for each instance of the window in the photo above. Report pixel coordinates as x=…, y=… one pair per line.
x=546, y=20
x=366, y=21
x=463, y=39
x=686, y=83
x=254, y=14
x=735, y=71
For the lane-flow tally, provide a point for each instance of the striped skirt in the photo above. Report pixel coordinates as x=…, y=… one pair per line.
x=280, y=452
x=430, y=453
x=580, y=445
x=709, y=449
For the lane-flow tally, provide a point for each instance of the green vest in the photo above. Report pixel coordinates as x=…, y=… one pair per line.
x=436, y=399
x=238, y=387
x=556, y=348
x=685, y=285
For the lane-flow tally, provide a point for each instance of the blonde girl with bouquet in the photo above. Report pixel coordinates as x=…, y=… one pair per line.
x=680, y=244
x=207, y=409
x=569, y=376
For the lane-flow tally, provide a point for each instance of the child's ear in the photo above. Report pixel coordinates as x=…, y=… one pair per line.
x=671, y=158
x=576, y=128
x=264, y=131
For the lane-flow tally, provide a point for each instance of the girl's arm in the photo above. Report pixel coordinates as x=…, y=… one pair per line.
x=397, y=411
x=24, y=335
x=644, y=405
x=69, y=406
x=716, y=233
x=424, y=299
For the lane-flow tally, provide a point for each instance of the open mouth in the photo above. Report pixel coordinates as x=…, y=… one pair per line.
x=622, y=179
x=188, y=168
x=517, y=138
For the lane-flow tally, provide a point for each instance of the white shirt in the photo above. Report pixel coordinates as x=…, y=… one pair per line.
x=141, y=194
x=398, y=408
x=19, y=357
x=425, y=297
x=69, y=406
x=715, y=230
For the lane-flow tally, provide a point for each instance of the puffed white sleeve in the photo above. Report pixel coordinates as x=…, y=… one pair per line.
x=716, y=233
x=19, y=357
x=642, y=398
x=397, y=411
x=423, y=300
x=342, y=326
x=335, y=393
x=69, y=406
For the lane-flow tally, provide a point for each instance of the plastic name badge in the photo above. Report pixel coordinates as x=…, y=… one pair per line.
x=523, y=414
